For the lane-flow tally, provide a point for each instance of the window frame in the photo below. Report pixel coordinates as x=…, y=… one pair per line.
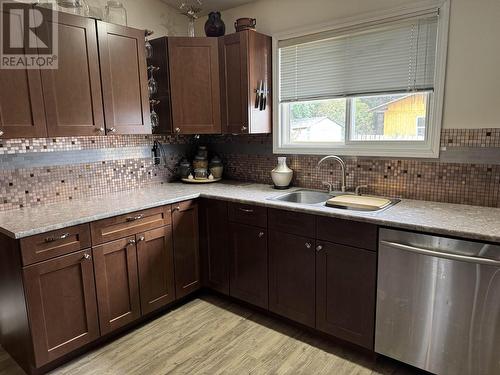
x=418, y=149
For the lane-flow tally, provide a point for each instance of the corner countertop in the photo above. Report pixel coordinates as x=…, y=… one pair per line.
x=471, y=222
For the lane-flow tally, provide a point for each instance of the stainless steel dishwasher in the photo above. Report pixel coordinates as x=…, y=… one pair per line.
x=438, y=303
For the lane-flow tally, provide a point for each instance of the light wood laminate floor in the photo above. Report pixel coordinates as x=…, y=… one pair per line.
x=210, y=335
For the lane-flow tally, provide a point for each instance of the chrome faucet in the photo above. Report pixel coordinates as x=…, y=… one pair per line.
x=342, y=165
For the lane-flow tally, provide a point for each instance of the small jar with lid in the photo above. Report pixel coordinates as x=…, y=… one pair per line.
x=184, y=168
x=200, y=162
x=216, y=167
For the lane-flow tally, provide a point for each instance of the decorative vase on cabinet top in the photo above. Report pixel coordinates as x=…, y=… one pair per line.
x=282, y=175
x=214, y=25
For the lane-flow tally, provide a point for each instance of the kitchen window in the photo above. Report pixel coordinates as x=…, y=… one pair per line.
x=371, y=88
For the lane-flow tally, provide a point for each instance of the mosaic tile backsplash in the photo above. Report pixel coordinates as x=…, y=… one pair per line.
x=49, y=170
x=464, y=182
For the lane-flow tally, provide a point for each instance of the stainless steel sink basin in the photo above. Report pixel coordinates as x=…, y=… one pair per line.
x=319, y=198
x=304, y=197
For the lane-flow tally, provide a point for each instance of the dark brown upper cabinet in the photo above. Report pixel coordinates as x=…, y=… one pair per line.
x=246, y=82
x=99, y=86
x=194, y=85
x=72, y=92
x=124, y=79
x=186, y=248
x=61, y=302
x=22, y=113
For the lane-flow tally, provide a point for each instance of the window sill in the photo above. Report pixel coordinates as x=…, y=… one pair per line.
x=399, y=151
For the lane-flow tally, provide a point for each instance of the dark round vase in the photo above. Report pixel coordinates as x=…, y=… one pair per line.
x=214, y=25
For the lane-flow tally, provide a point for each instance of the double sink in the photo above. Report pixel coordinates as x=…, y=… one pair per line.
x=346, y=201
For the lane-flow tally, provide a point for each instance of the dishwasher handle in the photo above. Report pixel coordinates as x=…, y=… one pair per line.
x=440, y=254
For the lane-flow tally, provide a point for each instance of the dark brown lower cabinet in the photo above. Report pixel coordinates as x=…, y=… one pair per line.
x=61, y=302
x=345, y=292
x=248, y=272
x=117, y=285
x=186, y=248
x=156, y=268
x=215, y=245
x=292, y=276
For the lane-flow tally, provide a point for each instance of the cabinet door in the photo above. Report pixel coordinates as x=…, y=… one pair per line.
x=345, y=292
x=194, y=84
x=156, y=268
x=233, y=54
x=260, y=70
x=61, y=300
x=248, y=273
x=215, y=246
x=292, y=277
x=72, y=92
x=117, y=285
x=22, y=112
x=124, y=79
x=186, y=248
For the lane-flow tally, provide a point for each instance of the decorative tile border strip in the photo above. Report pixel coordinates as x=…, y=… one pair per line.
x=37, y=145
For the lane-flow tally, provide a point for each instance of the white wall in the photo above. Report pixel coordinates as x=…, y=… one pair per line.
x=472, y=94
x=150, y=14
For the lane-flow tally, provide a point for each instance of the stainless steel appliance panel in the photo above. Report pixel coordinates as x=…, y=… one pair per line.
x=438, y=303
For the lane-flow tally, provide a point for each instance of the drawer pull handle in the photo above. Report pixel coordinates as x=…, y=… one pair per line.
x=140, y=239
x=261, y=234
x=134, y=218
x=319, y=248
x=246, y=210
x=130, y=242
x=86, y=256
x=177, y=208
x=308, y=245
x=54, y=239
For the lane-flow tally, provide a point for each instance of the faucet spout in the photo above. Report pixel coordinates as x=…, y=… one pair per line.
x=342, y=166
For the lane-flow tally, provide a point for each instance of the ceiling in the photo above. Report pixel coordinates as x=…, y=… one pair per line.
x=210, y=5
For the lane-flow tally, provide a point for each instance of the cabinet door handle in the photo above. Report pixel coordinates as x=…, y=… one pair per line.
x=100, y=130
x=244, y=128
x=177, y=130
x=111, y=130
x=131, y=242
x=246, y=210
x=261, y=234
x=177, y=208
x=86, y=256
x=141, y=238
x=1, y=133
x=308, y=245
x=61, y=237
x=134, y=218
x=319, y=248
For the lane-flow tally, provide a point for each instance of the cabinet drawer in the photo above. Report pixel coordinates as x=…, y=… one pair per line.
x=125, y=225
x=292, y=222
x=247, y=214
x=347, y=232
x=49, y=245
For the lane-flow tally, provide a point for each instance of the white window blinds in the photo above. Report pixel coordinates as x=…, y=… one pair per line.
x=392, y=57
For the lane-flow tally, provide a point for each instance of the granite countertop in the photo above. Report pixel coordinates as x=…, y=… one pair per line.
x=480, y=223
